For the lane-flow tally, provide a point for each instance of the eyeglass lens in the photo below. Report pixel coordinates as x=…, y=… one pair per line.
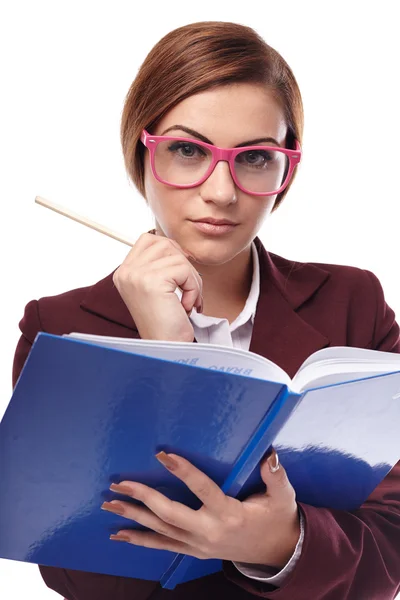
x=183, y=163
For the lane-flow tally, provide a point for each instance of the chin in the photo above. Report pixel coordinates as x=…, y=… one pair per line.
x=213, y=257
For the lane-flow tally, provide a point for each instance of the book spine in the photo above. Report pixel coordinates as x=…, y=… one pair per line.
x=245, y=464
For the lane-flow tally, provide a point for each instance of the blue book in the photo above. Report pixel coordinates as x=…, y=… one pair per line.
x=88, y=411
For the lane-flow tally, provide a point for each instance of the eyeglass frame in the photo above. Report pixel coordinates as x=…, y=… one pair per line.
x=226, y=154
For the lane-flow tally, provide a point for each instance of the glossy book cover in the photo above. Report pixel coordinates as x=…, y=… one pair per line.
x=83, y=416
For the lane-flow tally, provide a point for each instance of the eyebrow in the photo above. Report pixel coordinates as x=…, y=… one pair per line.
x=201, y=137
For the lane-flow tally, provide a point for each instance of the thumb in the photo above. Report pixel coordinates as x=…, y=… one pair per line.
x=274, y=476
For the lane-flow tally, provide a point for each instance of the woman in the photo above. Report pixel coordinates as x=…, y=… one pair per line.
x=206, y=87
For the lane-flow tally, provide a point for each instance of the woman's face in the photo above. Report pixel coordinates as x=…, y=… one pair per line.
x=227, y=116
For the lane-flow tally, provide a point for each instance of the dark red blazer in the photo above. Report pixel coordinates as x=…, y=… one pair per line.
x=302, y=307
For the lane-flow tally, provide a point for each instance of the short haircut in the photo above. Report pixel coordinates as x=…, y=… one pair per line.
x=195, y=58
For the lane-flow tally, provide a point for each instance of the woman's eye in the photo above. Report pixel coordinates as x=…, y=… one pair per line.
x=186, y=150
x=257, y=158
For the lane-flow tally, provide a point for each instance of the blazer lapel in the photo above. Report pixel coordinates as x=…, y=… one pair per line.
x=279, y=333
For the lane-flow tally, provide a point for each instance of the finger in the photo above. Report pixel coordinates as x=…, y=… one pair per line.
x=149, y=248
x=160, y=244
x=190, y=282
x=147, y=518
x=149, y=252
x=189, y=258
x=171, y=512
x=187, y=296
x=274, y=476
x=198, y=482
x=162, y=247
x=146, y=240
x=143, y=242
x=158, y=251
x=175, y=271
x=156, y=541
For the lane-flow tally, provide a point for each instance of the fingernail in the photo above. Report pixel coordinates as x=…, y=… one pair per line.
x=114, y=507
x=120, y=489
x=273, y=461
x=167, y=461
x=200, y=308
x=119, y=537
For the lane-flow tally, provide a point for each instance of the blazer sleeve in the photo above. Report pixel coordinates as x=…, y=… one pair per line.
x=75, y=585
x=348, y=555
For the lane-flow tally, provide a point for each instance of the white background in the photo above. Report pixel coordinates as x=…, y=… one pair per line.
x=65, y=70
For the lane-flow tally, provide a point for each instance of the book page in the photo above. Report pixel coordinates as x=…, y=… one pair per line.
x=209, y=356
x=340, y=364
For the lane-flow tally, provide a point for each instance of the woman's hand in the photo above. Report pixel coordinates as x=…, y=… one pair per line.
x=263, y=529
x=147, y=280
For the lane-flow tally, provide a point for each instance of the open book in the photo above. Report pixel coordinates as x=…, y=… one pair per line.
x=91, y=410
x=325, y=367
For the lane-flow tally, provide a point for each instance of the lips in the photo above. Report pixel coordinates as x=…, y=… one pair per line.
x=215, y=221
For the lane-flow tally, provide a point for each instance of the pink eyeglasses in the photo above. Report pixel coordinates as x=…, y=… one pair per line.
x=185, y=163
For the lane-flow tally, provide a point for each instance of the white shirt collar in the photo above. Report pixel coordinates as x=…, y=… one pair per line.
x=249, y=309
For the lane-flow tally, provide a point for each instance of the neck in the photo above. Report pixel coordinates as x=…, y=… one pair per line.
x=226, y=287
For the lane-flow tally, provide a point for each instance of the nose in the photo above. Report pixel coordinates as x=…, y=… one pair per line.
x=219, y=187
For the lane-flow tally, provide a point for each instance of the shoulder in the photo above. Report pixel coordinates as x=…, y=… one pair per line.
x=336, y=273
x=299, y=281
x=66, y=312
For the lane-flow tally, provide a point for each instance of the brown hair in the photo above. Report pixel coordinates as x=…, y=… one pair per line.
x=195, y=58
